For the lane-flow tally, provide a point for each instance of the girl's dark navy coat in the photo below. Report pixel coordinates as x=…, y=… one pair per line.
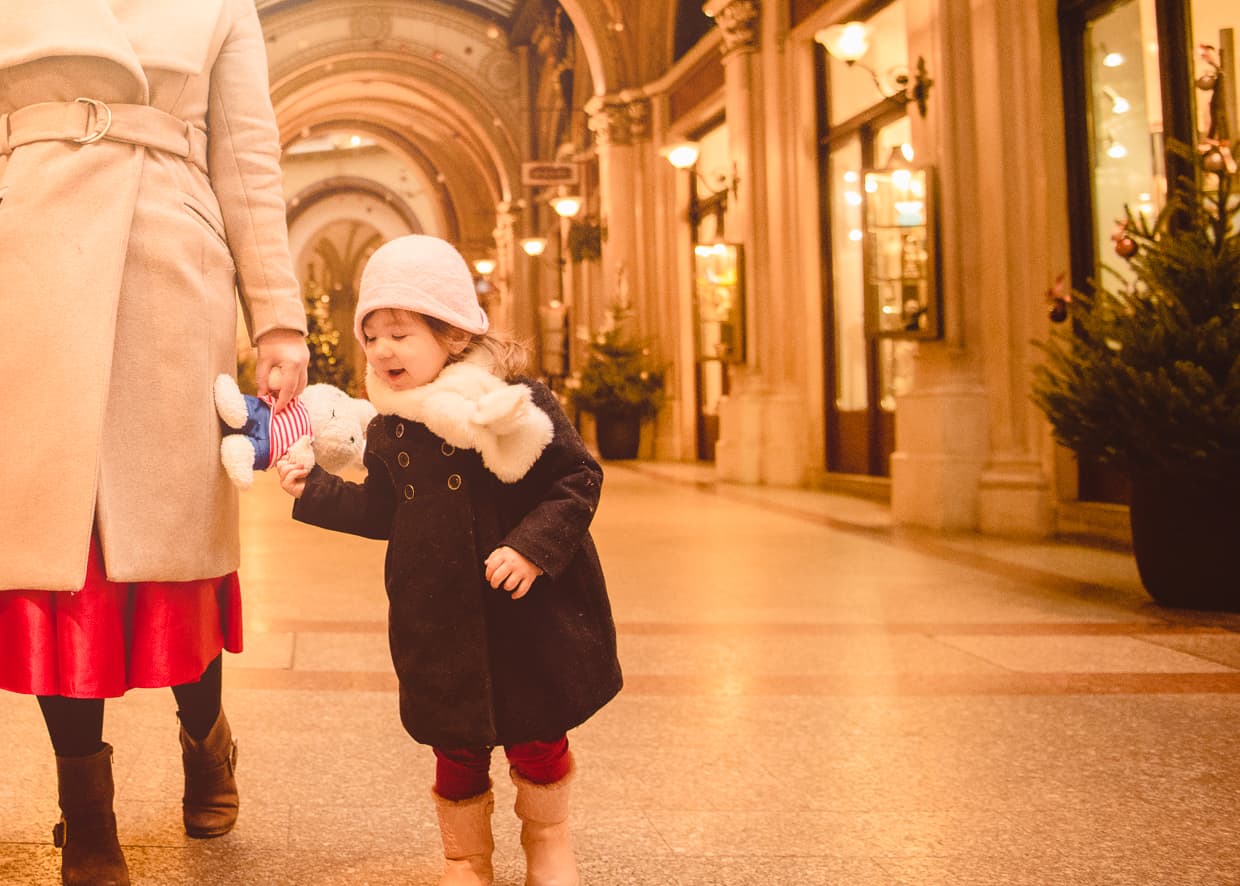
x=477, y=668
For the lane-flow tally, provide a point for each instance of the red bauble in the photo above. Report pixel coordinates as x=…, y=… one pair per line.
x=1125, y=247
x=1059, y=311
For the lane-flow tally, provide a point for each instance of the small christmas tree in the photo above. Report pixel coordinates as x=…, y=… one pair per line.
x=620, y=377
x=323, y=340
x=1146, y=375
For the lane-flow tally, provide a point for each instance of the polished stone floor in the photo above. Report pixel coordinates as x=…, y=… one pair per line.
x=812, y=697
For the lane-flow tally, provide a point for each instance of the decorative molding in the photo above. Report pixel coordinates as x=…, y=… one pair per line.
x=620, y=120
x=739, y=22
x=639, y=119
x=371, y=24
x=609, y=121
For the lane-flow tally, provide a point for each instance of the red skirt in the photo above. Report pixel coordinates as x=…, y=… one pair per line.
x=110, y=637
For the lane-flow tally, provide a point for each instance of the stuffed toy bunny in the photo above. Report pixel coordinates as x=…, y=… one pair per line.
x=323, y=426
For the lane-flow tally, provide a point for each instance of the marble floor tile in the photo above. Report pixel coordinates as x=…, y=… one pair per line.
x=1077, y=655
x=813, y=697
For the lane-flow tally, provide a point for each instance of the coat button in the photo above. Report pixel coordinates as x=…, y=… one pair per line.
x=408, y=493
x=447, y=448
x=400, y=429
x=454, y=482
x=403, y=459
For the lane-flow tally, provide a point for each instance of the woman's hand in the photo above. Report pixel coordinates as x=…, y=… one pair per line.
x=281, y=367
x=508, y=568
x=292, y=477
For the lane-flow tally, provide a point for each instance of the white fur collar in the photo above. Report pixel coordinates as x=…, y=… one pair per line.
x=471, y=408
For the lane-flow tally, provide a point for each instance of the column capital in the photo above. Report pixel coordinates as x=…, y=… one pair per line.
x=739, y=23
x=619, y=120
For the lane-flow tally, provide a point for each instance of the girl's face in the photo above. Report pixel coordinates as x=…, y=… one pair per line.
x=401, y=348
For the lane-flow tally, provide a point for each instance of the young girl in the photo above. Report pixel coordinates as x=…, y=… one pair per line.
x=500, y=628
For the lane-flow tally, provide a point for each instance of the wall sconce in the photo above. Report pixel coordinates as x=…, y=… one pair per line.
x=850, y=41
x=485, y=266
x=533, y=246
x=684, y=155
x=566, y=205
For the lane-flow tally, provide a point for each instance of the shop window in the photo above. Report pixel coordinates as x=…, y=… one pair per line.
x=709, y=215
x=1129, y=70
x=858, y=128
x=1125, y=105
x=1217, y=23
x=847, y=277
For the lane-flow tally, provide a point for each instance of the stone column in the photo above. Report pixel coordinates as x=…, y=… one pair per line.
x=611, y=122
x=968, y=448
x=761, y=431
x=621, y=127
x=505, y=265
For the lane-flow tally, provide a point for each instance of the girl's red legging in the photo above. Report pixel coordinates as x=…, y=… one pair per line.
x=465, y=772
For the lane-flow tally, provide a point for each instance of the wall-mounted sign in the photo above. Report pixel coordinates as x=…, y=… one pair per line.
x=544, y=174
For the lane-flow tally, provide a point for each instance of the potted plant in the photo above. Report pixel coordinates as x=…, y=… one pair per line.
x=621, y=384
x=1146, y=376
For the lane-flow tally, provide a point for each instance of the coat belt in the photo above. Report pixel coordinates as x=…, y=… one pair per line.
x=88, y=120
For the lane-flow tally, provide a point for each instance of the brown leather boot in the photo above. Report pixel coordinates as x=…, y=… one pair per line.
x=210, y=803
x=86, y=834
x=465, y=826
x=543, y=810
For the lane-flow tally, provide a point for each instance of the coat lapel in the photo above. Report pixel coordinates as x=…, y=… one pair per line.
x=34, y=30
x=145, y=22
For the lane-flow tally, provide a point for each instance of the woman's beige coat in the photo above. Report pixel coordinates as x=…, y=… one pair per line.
x=117, y=272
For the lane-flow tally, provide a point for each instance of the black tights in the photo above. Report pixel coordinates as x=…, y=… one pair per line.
x=76, y=724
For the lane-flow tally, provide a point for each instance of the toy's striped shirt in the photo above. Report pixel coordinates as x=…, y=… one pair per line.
x=287, y=426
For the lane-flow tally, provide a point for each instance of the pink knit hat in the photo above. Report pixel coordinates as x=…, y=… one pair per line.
x=422, y=274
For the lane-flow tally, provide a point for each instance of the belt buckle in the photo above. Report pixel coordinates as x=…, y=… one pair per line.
x=102, y=112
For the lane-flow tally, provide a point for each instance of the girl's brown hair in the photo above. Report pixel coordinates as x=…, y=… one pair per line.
x=508, y=355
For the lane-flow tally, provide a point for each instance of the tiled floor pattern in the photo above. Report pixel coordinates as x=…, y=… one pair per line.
x=812, y=697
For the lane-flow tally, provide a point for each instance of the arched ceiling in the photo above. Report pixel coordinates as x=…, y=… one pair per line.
x=501, y=11
x=439, y=82
x=434, y=82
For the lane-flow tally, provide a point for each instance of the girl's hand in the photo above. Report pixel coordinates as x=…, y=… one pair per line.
x=292, y=477
x=508, y=568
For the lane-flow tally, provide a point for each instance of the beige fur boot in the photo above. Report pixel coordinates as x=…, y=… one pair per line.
x=465, y=826
x=543, y=810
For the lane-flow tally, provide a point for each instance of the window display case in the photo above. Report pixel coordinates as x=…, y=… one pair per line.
x=901, y=261
x=719, y=300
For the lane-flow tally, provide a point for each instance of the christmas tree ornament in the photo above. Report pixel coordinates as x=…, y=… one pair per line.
x=1125, y=247
x=1059, y=297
